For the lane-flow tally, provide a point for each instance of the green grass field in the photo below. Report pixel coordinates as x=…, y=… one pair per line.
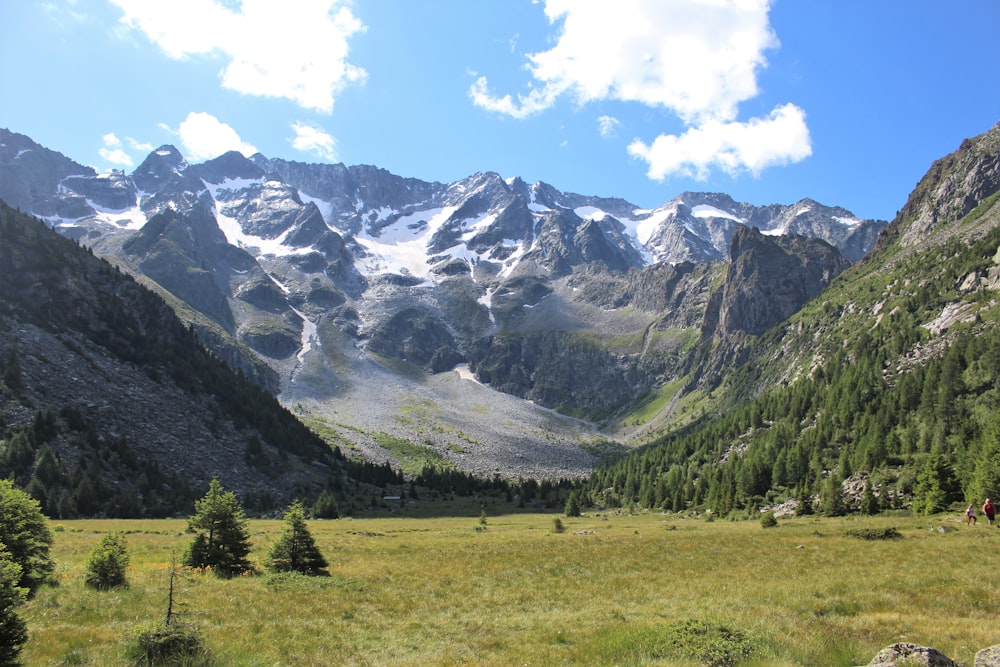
x=610, y=590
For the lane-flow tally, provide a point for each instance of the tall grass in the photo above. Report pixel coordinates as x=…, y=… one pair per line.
x=608, y=590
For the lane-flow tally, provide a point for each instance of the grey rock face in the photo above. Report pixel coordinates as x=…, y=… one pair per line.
x=953, y=187
x=769, y=279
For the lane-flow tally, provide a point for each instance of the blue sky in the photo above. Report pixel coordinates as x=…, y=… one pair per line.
x=844, y=101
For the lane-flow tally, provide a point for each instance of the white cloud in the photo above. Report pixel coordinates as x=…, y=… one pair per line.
x=139, y=145
x=526, y=105
x=311, y=139
x=204, y=137
x=113, y=151
x=271, y=49
x=781, y=138
x=608, y=125
x=697, y=59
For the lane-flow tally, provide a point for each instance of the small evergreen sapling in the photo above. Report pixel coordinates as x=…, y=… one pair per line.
x=573, y=505
x=296, y=550
x=222, y=542
x=326, y=506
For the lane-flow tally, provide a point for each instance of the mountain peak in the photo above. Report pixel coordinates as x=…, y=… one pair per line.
x=954, y=186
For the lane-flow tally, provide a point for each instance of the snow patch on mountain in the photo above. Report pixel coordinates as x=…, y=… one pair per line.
x=707, y=211
x=401, y=247
x=235, y=235
x=132, y=217
x=848, y=222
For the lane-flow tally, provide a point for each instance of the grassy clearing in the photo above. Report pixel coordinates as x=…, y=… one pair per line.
x=613, y=589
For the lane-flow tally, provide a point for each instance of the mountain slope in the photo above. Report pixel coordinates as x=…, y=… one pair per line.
x=337, y=287
x=889, y=380
x=110, y=406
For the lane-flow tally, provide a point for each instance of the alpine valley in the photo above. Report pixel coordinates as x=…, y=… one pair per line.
x=505, y=329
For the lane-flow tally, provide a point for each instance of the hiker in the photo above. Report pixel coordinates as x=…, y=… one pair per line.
x=989, y=511
x=970, y=515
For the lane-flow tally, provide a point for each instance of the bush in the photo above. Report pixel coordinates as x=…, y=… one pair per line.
x=875, y=534
x=171, y=644
x=24, y=530
x=557, y=525
x=768, y=520
x=13, y=629
x=107, y=564
x=683, y=641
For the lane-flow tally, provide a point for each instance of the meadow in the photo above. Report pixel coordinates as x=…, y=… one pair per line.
x=611, y=589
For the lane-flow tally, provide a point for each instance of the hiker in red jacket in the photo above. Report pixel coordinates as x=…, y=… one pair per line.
x=989, y=511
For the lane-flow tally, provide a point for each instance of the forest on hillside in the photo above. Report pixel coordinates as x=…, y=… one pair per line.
x=898, y=415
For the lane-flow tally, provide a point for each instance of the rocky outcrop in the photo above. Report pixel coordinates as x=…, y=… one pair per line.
x=953, y=187
x=415, y=336
x=770, y=278
x=559, y=370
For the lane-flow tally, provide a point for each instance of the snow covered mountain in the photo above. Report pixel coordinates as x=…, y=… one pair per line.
x=332, y=274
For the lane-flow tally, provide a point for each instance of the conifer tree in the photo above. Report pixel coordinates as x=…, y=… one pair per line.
x=326, y=506
x=223, y=536
x=831, y=499
x=296, y=550
x=936, y=487
x=572, y=505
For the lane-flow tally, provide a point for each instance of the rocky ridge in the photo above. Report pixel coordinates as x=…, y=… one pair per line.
x=313, y=279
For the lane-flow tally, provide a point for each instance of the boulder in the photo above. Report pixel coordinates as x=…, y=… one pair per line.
x=911, y=655
x=988, y=657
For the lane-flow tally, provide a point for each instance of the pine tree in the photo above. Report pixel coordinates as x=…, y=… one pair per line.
x=223, y=536
x=831, y=500
x=572, y=505
x=869, y=503
x=295, y=550
x=936, y=487
x=326, y=506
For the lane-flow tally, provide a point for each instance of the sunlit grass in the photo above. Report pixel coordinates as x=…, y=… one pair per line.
x=407, y=591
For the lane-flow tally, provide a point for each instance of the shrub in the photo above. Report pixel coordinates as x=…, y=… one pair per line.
x=107, y=564
x=170, y=644
x=875, y=534
x=13, y=630
x=25, y=532
x=768, y=520
x=683, y=641
x=557, y=525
